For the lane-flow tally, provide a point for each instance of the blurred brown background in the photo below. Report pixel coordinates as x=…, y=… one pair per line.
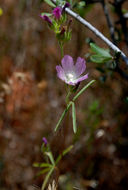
x=32, y=99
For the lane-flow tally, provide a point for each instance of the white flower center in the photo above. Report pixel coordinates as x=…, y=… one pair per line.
x=70, y=77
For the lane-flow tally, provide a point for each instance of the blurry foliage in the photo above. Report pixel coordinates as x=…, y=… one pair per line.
x=51, y=164
x=1, y=11
x=101, y=55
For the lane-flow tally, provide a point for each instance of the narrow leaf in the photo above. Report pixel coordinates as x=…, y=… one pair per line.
x=74, y=117
x=83, y=89
x=41, y=165
x=63, y=153
x=58, y=158
x=62, y=116
x=50, y=3
x=100, y=51
x=47, y=178
x=99, y=59
x=49, y=154
x=47, y=14
x=67, y=150
x=43, y=171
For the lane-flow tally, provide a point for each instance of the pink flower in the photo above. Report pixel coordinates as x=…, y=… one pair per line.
x=70, y=73
x=57, y=12
x=44, y=141
x=67, y=4
x=46, y=18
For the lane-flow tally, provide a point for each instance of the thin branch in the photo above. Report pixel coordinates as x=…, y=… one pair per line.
x=109, y=22
x=97, y=33
x=118, y=8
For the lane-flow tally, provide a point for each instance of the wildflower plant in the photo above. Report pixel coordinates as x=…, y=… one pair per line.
x=72, y=74
x=51, y=163
x=68, y=72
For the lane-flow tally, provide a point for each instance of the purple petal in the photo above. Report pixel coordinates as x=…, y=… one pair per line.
x=71, y=83
x=67, y=64
x=60, y=72
x=80, y=66
x=57, y=12
x=46, y=18
x=45, y=141
x=81, y=78
x=67, y=4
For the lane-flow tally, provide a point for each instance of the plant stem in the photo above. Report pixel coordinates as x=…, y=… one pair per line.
x=67, y=97
x=61, y=48
x=62, y=116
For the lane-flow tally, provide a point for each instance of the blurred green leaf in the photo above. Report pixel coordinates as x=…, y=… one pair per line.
x=49, y=3
x=43, y=171
x=81, y=4
x=47, y=178
x=49, y=154
x=67, y=150
x=99, y=59
x=80, y=8
x=41, y=165
x=100, y=51
x=63, y=153
x=102, y=55
x=47, y=14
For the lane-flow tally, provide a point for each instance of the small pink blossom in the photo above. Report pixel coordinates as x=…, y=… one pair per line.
x=44, y=141
x=46, y=18
x=57, y=12
x=70, y=73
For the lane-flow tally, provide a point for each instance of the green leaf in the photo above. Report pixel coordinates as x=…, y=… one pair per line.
x=99, y=59
x=47, y=14
x=100, y=51
x=74, y=117
x=41, y=165
x=81, y=3
x=50, y=3
x=67, y=150
x=43, y=171
x=83, y=89
x=63, y=153
x=58, y=158
x=62, y=116
x=49, y=154
x=47, y=178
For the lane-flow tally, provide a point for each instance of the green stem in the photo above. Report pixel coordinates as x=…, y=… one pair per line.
x=47, y=178
x=61, y=48
x=67, y=97
x=62, y=116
